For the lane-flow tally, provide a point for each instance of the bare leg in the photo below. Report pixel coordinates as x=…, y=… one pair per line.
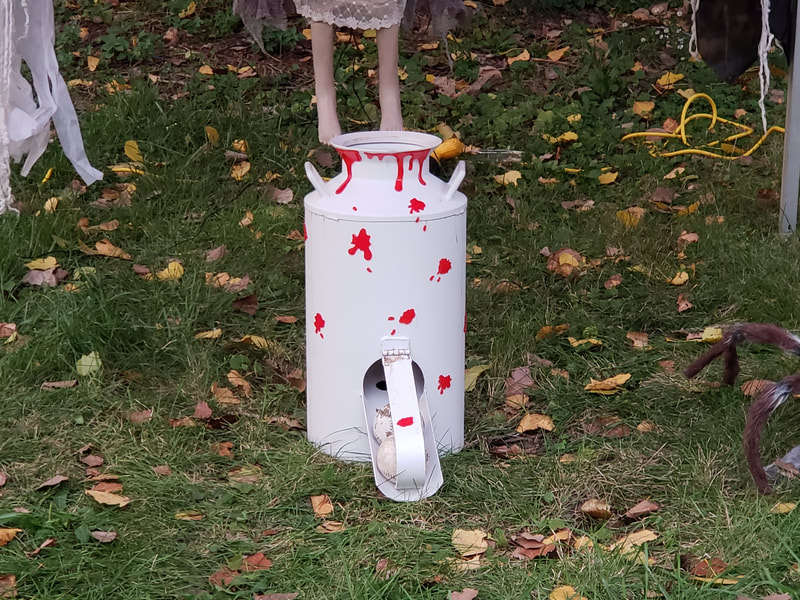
x=391, y=114
x=322, y=49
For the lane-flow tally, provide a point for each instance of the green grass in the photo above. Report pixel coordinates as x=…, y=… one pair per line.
x=186, y=203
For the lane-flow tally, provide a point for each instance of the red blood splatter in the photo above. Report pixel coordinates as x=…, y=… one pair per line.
x=415, y=206
x=355, y=208
x=361, y=242
x=424, y=228
x=305, y=233
x=444, y=267
x=419, y=155
x=405, y=422
x=391, y=318
x=369, y=270
x=319, y=323
x=349, y=157
x=393, y=332
x=444, y=383
x=408, y=316
x=417, y=220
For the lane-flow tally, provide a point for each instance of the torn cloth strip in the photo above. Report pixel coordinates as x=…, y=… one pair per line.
x=27, y=34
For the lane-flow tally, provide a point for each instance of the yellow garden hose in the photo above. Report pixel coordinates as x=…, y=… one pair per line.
x=731, y=152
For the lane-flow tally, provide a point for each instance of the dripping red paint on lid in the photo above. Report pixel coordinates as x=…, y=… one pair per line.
x=349, y=158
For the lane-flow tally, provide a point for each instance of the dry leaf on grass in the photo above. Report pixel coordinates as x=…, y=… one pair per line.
x=565, y=592
x=607, y=386
x=202, y=411
x=216, y=253
x=223, y=449
x=321, y=505
x=224, y=395
x=104, y=536
x=189, y=515
x=8, y=586
x=533, y=421
x=6, y=535
x=245, y=474
x=162, y=470
x=519, y=381
x=58, y=385
x=465, y=594
x=330, y=527
x=238, y=381
x=142, y=416
x=470, y=542
x=782, y=508
x=753, y=387
x=53, y=481
x=642, y=509
x=639, y=339
x=247, y=304
x=596, y=508
x=109, y=499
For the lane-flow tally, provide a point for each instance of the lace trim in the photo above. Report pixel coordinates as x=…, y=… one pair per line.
x=351, y=22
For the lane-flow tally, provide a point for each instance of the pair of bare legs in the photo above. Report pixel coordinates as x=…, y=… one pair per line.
x=389, y=94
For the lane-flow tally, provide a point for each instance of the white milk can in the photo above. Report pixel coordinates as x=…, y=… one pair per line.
x=385, y=310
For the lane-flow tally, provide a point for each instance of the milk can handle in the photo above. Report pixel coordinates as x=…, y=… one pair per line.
x=452, y=186
x=317, y=181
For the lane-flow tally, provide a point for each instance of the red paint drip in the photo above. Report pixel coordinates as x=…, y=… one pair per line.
x=393, y=331
x=361, y=242
x=369, y=270
x=424, y=228
x=444, y=383
x=414, y=155
x=408, y=316
x=391, y=318
x=465, y=322
x=415, y=206
x=355, y=208
x=405, y=422
x=305, y=233
x=444, y=268
x=349, y=158
x=319, y=323
x=417, y=221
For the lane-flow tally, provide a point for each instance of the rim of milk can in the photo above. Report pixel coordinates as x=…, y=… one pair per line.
x=385, y=142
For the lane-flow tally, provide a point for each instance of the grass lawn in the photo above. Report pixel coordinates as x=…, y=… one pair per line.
x=237, y=495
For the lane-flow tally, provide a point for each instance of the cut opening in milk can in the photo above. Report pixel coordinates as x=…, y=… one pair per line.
x=385, y=310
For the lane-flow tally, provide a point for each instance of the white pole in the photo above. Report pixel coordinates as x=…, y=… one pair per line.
x=790, y=179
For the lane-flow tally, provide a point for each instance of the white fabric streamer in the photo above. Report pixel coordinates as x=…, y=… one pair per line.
x=693, y=52
x=28, y=34
x=763, y=59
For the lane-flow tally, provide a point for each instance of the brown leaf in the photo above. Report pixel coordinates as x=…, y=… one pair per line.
x=53, y=481
x=108, y=486
x=596, y=508
x=109, y=499
x=282, y=196
x=162, y=470
x=286, y=423
x=105, y=248
x=297, y=380
x=667, y=365
x=256, y=562
x=3, y=479
x=537, y=361
x=6, y=535
x=754, y=386
x=223, y=395
x=216, y=253
x=709, y=568
x=565, y=262
x=183, y=421
x=248, y=304
x=45, y=544
x=519, y=380
x=104, y=537
x=189, y=515
x=8, y=586
x=639, y=339
x=642, y=509
x=286, y=319
x=142, y=416
x=683, y=303
x=223, y=449
x=43, y=278
x=330, y=527
x=533, y=421
x=465, y=594
x=321, y=505
x=92, y=460
x=57, y=385
x=7, y=330
x=202, y=411
x=613, y=281
x=223, y=577
x=608, y=427
x=235, y=378
x=245, y=474
x=549, y=330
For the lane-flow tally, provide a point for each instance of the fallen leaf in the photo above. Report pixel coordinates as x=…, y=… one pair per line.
x=172, y=272
x=557, y=55
x=470, y=542
x=256, y=562
x=533, y=421
x=608, y=427
x=639, y=339
x=108, y=486
x=675, y=172
x=189, y=515
x=223, y=449
x=565, y=262
x=591, y=342
x=8, y=586
x=132, y=151
x=6, y=535
x=524, y=56
x=205, y=70
x=3, y=479
x=42, y=264
x=247, y=304
x=7, y=330
x=607, y=386
x=644, y=108
x=565, y=592
x=667, y=365
x=142, y=416
x=754, y=386
x=51, y=205
x=510, y=177
x=92, y=62
x=471, y=376
x=254, y=340
x=216, y=253
x=321, y=505
x=596, y=508
x=182, y=422
x=223, y=396
x=782, y=508
x=92, y=460
x=58, y=385
x=606, y=178
x=45, y=544
x=680, y=278
x=465, y=594
x=633, y=540
x=549, y=330
x=104, y=537
x=286, y=423
x=208, y=335
x=53, y=481
x=237, y=380
x=245, y=474
x=719, y=580
x=613, y=281
x=668, y=80
x=106, y=248
x=642, y=509
x=286, y=319
x=240, y=169
x=202, y=411
x=223, y=578
x=647, y=427
x=88, y=364
x=519, y=380
x=630, y=217
x=109, y=499
x=330, y=527
x=162, y=470
x=290, y=596
x=683, y=303
x=282, y=196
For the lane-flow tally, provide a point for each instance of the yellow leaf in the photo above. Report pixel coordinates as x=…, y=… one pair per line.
x=51, y=205
x=592, y=341
x=669, y=79
x=428, y=46
x=173, y=272
x=208, y=335
x=471, y=376
x=205, y=70
x=48, y=175
x=330, y=527
x=106, y=248
x=508, y=178
x=240, y=169
x=607, y=386
x=471, y=4
x=547, y=180
x=719, y=580
x=402, y=74
x=643, y=108
x=637, y=66
x=240, y=146
x=569, y=136
x=534, y=421
x=680, y=278
x=689, y=209
x=189, y=515
x=42, y=264
x=524, y=56
x=255, y=340
x=6, y=535
x=606, y=178
x=109, y=498
x=781, y=508
x=573, y=119
x=630, y=217
x=132, y=151
x=557, y=55
x=633, y=540
x=321, y=505
x=188, y=11
x=92, y=62
x=238, y=381
x=307, y=33
x=566, y=592
x=712, y=335
x=212, y=135
x=126, y=169
x=674, y=173
x=470, y=542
